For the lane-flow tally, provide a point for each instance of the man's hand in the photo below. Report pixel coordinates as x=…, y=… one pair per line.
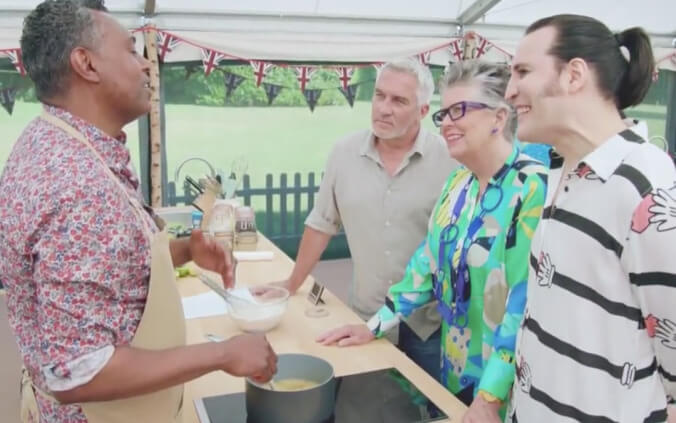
x=482, y=411
x=250, y=356
x=211, y=255
x=347, y=335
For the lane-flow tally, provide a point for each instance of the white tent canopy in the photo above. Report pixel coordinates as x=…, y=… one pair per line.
x=349, y=31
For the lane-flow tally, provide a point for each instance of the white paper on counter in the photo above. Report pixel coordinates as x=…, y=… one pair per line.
x=254, y=255
x=211, y=304
x=204, y=305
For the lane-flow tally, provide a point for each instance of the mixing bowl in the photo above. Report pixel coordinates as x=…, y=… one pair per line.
x=261, y=312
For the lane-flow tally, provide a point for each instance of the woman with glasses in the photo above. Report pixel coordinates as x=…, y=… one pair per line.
x=474, y=259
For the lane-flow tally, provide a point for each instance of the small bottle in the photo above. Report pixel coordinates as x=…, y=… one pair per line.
x=246, y=236
x=196, y=219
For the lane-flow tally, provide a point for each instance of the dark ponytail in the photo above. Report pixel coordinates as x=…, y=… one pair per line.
x=638, y=76
x=625, y=82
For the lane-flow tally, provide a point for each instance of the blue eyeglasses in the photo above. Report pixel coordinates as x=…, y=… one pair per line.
x=456, y=111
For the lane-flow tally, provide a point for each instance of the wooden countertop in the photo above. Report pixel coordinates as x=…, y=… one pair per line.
x=296, y=334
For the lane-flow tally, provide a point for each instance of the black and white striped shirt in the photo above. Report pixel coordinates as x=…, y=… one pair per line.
x=598, y=341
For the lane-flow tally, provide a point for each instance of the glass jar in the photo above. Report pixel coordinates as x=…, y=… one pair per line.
x=222, y=223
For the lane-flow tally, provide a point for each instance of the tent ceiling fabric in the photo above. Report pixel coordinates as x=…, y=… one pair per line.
x=314, y=47
x=357, y=30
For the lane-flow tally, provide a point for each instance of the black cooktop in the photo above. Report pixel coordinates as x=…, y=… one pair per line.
x=380, y=396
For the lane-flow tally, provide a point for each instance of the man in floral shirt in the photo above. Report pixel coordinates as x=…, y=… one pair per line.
x=75, y=259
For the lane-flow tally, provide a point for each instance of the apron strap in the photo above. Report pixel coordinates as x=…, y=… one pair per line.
x=68, y=129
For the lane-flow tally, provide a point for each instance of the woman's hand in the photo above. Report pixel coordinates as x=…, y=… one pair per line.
x=482, y=411
x=347, y=335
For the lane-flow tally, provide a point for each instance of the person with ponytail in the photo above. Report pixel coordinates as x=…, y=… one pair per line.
x=598, y=339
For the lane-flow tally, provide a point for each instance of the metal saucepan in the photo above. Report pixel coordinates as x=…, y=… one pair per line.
x=311, y=405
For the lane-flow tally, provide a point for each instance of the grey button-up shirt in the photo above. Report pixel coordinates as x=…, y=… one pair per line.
x=385, y=217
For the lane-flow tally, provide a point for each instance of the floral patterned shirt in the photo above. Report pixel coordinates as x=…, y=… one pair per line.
x=478, y=351
x=75, y=257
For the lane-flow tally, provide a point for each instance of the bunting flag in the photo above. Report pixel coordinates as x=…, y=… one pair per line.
x=7, y=98
x=312, y=96
x=344, y=74
x=456, y=48
x=260, y=69
x=350, y=93
x=304, y=74
x=15, y=57
x=424, y=58
x=232, y=81
x=166, y=43
x=211, y=59
x=482, y=46
x=271, y=91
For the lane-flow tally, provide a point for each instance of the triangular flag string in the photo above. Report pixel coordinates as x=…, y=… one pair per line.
x=7, y=99
x=232, y=81
x=211, y=59
x=304, y=74
x=166, y=43
x=271, y=91
x=312, y=97
x=350, y=93
x=457, y=48
x=344, y=75
x=14, y=55
x=260, y=70
x=424, y=58
x=482, y=46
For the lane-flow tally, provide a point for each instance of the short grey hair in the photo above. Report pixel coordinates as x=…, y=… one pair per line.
x=50, y=33
x=422, y=75
x=492, y=80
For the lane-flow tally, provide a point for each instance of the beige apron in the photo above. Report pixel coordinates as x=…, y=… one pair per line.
x=162, y=326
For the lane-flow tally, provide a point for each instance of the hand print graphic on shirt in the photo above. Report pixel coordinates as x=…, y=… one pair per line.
x=546, y=270
x=658, y=209
x=524, y=376
x=664, y=210
x=663, y=329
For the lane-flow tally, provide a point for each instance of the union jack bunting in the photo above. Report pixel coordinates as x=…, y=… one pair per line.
x=304, y=74
x=456, y=48
x=344, y=74
x=424, y=58
x=211, y=59
x=482, y=46
x=166, y=43
x=15, y=57
x=260, y=69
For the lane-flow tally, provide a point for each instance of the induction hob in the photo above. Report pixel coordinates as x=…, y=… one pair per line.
x=380, y=396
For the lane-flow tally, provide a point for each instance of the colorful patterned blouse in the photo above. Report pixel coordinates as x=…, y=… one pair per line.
x=480, y=353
